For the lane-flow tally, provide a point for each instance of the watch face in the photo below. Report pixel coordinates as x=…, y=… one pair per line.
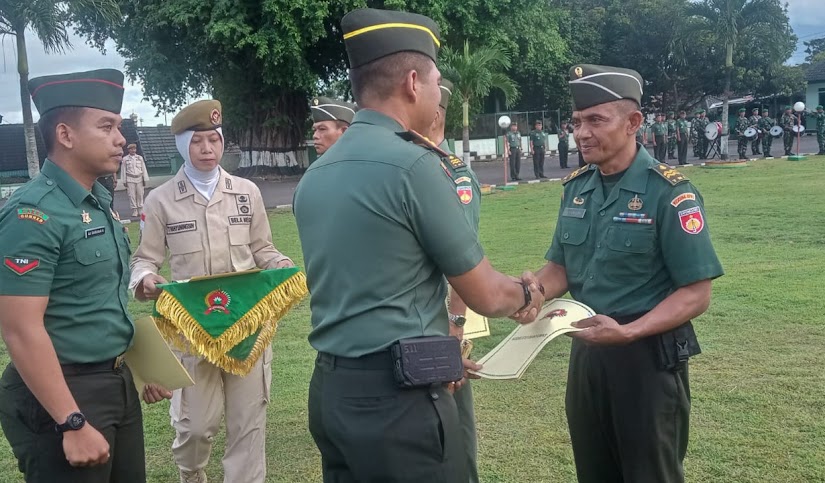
x=76, y=421
x=460, y=321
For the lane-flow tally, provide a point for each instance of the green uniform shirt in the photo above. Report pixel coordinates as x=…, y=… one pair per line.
x=514, y=139
x=381, y=222
x=61, y=241
x=820, y=120
x=683, y=127
x=754, y=121
x=766, y=123
x=742, y=123
x=659, y=129
x=563, y=137
x=671, y=127
x=537, y=137
x=621, y=268
x=787, y=121
x=460, y=178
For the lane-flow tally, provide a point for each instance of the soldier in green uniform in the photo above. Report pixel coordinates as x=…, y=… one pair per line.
x=819, y=115
x=564, y=144
x=765, y=124
x=659, y=138
x=537, y=138
x=68, y=405
x=330, y=119
x=671, y=135
x=512, y=151
x=742, y=123
x=682, y=136
x=754, y=123
x=378, y=269
x=787, y=121
x=457, y=308
x=703, y=140
x=632, y=243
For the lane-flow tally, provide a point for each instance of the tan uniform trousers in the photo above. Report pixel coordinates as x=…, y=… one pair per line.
x=197, y=411
x=135, y=190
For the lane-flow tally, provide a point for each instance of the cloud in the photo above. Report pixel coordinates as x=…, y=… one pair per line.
x=807, y=13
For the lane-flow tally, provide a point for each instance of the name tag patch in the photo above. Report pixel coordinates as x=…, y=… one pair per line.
x=21, y=266
x=574, y=212
x=240, y=220
x=181, y=227
x=96, y=231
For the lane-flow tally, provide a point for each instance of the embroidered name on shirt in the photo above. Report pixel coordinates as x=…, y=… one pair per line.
x=182, y=227
x=240, y=220
x=96, y=231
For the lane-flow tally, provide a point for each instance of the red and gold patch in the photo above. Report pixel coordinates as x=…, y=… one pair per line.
x=31, y=214
x=691, y=220
x=217, y=300
x=21, y=266
x=682, y=198
x=465, y=194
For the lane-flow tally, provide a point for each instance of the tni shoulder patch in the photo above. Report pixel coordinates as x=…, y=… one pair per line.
x=670, y=175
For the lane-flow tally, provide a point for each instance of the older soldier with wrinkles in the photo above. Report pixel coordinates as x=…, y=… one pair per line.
x=330, y=119
x=632, y=243
x=212, y=223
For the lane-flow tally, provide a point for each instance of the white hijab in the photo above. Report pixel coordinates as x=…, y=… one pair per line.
x=203, y=181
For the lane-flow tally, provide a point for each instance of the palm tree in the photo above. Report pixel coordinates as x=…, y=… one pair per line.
x=49, y=21
x=728, y=21
x=474, y=75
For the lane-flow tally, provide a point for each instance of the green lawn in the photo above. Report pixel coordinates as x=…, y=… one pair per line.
x=758, y=387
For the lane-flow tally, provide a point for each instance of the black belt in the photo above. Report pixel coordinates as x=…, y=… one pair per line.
x=108, y=365
x=374, y=361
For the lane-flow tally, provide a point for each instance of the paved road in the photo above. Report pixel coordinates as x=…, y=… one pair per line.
x=279, y=193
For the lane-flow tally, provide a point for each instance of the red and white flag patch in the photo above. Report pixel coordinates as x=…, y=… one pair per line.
x=21, y=266
x=691, y=220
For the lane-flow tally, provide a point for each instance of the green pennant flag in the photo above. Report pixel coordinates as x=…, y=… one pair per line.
x=228, y=319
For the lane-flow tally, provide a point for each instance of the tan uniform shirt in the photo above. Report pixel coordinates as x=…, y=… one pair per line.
x=229, y=233
x=134, y=169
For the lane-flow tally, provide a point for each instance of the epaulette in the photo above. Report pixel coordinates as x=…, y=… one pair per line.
x=575, y=174
x=425, y=142
x=670, y=175
x=35, y=190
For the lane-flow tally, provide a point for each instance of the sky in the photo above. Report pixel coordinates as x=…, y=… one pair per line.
x=807, y=19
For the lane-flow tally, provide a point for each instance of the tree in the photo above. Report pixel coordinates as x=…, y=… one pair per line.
x=813, y=48
x=49, y=20
x=474, y=75
x=729, y=22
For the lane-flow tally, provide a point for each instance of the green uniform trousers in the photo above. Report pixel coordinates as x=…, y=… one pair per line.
x=369, y=430
x=755, y=145
x=660, y=150
x=671, y=147
x=683, y=149
x=467, y=419
x=628, y=419
x=788, y=138
x=742, y=146
x=767, y=141
x=563, y=148
x=820, y=139
x=109, y=401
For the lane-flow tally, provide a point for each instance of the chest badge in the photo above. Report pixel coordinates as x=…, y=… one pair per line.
x=85, y=217
x=578, y=201
x=635, y=203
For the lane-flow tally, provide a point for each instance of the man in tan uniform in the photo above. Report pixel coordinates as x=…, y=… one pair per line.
x=212, y=223
x=133, y=172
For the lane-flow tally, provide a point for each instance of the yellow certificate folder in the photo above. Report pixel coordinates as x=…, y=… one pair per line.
x=152, y=361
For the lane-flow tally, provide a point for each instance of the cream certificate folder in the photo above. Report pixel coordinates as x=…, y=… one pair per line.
x=151, y=360
x=510, y=359
x=476, y=325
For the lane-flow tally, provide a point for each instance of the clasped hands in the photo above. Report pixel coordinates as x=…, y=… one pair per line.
x=528, y=314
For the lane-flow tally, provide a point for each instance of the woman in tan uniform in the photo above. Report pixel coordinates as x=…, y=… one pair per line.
x=212, y=223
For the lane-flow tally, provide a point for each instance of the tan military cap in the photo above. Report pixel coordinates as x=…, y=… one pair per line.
x=198, y=116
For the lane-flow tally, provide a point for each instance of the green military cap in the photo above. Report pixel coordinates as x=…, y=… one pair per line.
x=198, y=116
x=446, y=93
x=591, y=85
x=755, y=109
x=765, y=111
x=370, y=34
x=819, y=107
x=701, y=111
x=669, y=113
x=326, y=109
x=742, y=109
x=787, y=108
x=99, y=89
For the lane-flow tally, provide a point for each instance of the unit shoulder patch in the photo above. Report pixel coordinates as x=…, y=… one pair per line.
x=670, y=175
x=575, y=174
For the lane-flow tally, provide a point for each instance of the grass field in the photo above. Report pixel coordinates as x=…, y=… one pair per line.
x=758, y=387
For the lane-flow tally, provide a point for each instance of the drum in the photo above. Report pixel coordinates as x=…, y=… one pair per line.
x=713, y=130
x=776, y=131
x=799, y=129
x=751, y=133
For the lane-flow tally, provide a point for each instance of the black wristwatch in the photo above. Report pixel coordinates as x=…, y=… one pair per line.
x=528, y=297
x=458, y=320
x=74, y=422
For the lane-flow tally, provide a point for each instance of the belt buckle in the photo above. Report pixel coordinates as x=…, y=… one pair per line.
x=119, y=361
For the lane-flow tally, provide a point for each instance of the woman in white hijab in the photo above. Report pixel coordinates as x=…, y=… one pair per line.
x=212, y=223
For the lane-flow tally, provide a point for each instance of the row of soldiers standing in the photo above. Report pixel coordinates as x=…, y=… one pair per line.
x=670, y=135
x=763, y=126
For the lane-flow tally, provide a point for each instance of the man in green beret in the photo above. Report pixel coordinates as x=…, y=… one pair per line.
x=68, y=404
x=788, y=121
x=660, y=138
x=671, y=135
x=632, y=243
x=330, y=118
x=682, y=135
x=819, y=115
x=378, y=269
x=754, y=123
x=766, y=123
x=512, y=151
x=537, y=138
x=742, y=123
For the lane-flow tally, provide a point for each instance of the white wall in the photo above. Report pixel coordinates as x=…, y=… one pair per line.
x=487, y=147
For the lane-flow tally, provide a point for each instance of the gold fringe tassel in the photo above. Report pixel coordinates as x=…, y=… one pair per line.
x=264, y=316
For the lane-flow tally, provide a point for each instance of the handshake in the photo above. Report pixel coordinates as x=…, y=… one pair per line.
x=533, y=298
